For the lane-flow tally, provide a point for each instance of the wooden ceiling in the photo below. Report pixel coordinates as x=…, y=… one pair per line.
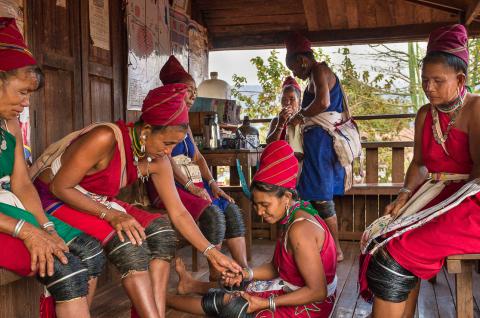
x=247, y=24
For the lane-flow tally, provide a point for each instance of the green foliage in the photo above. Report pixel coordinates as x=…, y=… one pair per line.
x=270, y=75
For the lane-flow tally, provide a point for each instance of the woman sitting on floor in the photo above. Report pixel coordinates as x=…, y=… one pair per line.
x=437, y=216
x=291, y=93
x=218, y=216
x=66, y=260
x=79, y=177
x=300, y=281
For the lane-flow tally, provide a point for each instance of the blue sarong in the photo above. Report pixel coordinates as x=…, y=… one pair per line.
x=322, y=175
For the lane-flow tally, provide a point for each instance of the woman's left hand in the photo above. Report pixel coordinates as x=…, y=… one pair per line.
x=255, y=303
x=223, y=263
x=54, y=235
x=217, y=193
x=296, y=119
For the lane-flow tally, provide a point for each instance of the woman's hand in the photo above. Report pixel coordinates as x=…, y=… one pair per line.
x=394, y=207
x=297, y=119
x=231, y=279
x=56, y=238
x=42, y=248
x=223, y=263
x=199, y=192
x=121, y=221
x=217, y=193
x=255, y=303
x=284, y=115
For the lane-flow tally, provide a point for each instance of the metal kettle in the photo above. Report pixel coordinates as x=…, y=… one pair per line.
x=211, y=132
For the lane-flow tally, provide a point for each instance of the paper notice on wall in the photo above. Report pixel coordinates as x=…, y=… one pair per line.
x=148, y=47
x=61, y=3
x=99, y=23
x=13, y=9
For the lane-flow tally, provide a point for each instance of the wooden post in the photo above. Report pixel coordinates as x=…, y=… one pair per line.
x=463, y=285
x=372, y=165
x=398, y=165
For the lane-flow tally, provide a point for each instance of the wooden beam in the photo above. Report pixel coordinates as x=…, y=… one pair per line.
x=310, y=9
x=472, y=12
x=439, y=5
x=249, y=40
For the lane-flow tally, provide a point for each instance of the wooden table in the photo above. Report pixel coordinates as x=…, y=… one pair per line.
x=248, y=160
x=462, y=266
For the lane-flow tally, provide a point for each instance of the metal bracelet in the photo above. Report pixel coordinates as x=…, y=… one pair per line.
x=405, y=190
x=47, y=225
x=208, y=248
x=18, y=228
x=188, y=184
x=211, y=181
x=250, y=274
x=271, y=303
x=102, y=215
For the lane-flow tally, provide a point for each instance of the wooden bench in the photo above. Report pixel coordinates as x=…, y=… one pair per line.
x=462, y=266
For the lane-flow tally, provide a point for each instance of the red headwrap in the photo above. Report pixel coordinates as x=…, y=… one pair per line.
x=173, y=72
x=451, y=39
x=165, y=106
x=297, y=43
x=13, y=51
x=278, y=165
x=290, y=81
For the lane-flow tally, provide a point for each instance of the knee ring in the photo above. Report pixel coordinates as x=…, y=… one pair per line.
x=161, y=239
x=212, y=224
x=90, y=252
x=235, y=227
x=69, y=281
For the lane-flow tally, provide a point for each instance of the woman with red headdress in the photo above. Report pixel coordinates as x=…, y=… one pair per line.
x=66, y=260
x=218, y=216
x=437, y=212
x=79, y=176
x=322, y=175
x=300, y=281
x=291, y=95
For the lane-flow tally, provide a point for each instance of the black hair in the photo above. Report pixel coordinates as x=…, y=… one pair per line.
x=291, y=88
x=35, y=70
x=448, y=59
x=159, y=128
x=273, y=189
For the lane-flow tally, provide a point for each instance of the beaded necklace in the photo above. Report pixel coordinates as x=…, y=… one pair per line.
x=3, y=138
x=455, y=106
x=300, y=205
x=136, y=144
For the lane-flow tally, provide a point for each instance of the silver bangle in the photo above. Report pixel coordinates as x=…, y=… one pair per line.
x=271, y=303
x=250, y=274
x=47, y=225
x=102, y=215
x=405, y=190
x=211, y=181
x=208, y=248
x=188, y=184
x=18, y=228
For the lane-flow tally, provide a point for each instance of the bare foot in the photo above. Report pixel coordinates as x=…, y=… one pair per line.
x=185, y=279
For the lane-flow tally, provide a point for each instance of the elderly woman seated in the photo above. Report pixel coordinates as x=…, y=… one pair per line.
x=437, y=216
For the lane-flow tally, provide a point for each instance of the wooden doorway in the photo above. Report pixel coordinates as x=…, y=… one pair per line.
x=83, y=83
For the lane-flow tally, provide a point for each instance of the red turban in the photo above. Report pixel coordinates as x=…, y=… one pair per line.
x=451, y=39
x=173, y=72
x=13, y=51
x=290, y=81
x=278, y=165
x=165, y=106
x=297, y=43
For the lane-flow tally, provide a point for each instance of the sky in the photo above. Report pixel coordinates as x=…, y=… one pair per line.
x=227, y=63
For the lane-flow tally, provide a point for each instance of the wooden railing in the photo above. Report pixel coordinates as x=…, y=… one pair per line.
x=366, y=201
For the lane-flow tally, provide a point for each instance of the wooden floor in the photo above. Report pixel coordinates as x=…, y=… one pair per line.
x=436, y=300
